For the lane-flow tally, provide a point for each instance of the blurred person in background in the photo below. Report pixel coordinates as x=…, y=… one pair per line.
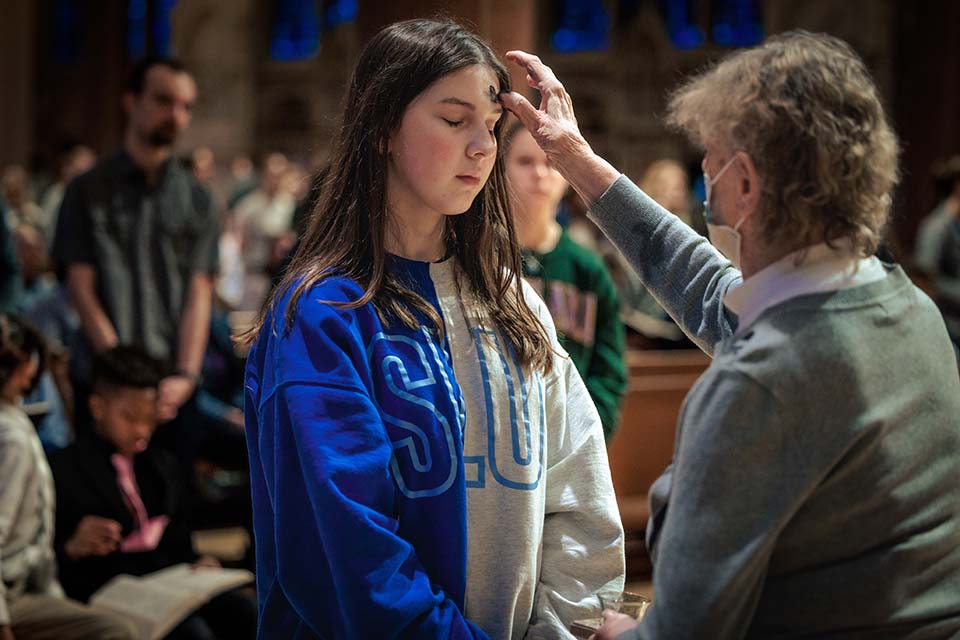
x=137, y=243
x=121, y=505
x=937, y=250
x=11, y=280
x=262, y=219
x=32, y=602
x=15, y=189
x=572, y=280
x=45, y=304
x=243, y=179
x=73, y=161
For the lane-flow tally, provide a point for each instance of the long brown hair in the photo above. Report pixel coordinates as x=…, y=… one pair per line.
x=346, y=231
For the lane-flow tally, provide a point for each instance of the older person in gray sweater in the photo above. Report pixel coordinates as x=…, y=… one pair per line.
x=815, y=485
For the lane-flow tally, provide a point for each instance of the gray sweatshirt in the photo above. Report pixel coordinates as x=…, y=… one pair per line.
x=27, y=561
x=544, y=532
x=814, y=488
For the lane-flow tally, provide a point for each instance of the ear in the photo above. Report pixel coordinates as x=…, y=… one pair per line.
x=749, y=187
x=96, y=406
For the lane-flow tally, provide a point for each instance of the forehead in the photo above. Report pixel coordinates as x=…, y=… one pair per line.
x=164, y=79
x=131, y=398
x=472, y=83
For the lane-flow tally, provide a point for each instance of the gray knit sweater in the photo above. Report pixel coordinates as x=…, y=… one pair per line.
x=815, y=486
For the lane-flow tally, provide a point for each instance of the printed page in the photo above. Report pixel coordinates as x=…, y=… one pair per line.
x=155, y=610
x=203, y=582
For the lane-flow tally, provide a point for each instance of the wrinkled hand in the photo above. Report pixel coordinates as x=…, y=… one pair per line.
x=94, y=536
x=554, y=124
x=207, y=562
x=554, y=127
x=173, y=392
x=613, y=625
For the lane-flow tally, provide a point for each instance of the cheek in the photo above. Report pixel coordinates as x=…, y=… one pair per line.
x=428, y=156
x=558, y=183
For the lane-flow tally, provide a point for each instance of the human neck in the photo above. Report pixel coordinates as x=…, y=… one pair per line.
x=148, y=157
x=540, y=238
x=535, y=229
x=753, y=260
x=416, y=236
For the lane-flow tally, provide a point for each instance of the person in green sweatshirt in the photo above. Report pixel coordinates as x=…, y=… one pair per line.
x=572, y=280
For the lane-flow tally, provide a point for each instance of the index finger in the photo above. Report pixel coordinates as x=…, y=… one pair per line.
x=531, y=63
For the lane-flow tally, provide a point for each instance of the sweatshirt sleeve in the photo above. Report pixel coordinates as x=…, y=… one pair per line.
x=682, y=270
x=325, y=458
x=15, y=462
x=582, y=551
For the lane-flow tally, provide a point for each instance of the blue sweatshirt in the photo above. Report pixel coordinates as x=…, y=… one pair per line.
x=357, y=434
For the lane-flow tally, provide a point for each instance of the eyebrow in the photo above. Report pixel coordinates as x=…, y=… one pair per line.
x=468, y=105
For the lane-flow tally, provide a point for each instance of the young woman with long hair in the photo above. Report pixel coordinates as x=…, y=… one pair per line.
x=426, y=461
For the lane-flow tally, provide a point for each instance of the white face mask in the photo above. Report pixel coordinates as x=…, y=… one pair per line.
x=724, y=237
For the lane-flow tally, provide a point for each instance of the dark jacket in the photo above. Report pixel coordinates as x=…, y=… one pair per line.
x=87, y=485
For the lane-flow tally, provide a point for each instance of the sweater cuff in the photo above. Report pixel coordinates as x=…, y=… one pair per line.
x=602, y=205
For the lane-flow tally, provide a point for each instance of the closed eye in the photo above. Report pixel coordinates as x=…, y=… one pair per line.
x=453, y=123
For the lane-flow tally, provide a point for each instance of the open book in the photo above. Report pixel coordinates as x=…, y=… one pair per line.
x=159, y=601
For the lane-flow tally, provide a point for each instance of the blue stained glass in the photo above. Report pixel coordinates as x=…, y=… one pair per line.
x=584, y=26
x=737, y=23
x=161, y=29
x=139, y=21
x=296, y=30
x=136, y=28
x=683, y=32
x=66, y=31
x=340, y=12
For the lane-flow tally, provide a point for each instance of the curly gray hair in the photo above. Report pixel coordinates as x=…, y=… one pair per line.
x=804, y=108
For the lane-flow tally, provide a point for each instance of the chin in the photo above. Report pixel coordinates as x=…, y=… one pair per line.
x=456, y=208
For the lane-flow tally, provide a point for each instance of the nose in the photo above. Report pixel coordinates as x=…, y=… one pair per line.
x=482, y=145
x=181, y=114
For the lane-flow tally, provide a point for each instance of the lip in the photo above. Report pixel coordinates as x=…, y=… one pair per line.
x=469, y=179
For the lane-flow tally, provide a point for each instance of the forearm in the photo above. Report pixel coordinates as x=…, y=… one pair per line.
x=588, y=174
x=686, y=275
x=195, y=325
x=96, y=325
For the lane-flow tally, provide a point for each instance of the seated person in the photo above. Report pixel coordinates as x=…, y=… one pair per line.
x=31, y=600
x=120, y=507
